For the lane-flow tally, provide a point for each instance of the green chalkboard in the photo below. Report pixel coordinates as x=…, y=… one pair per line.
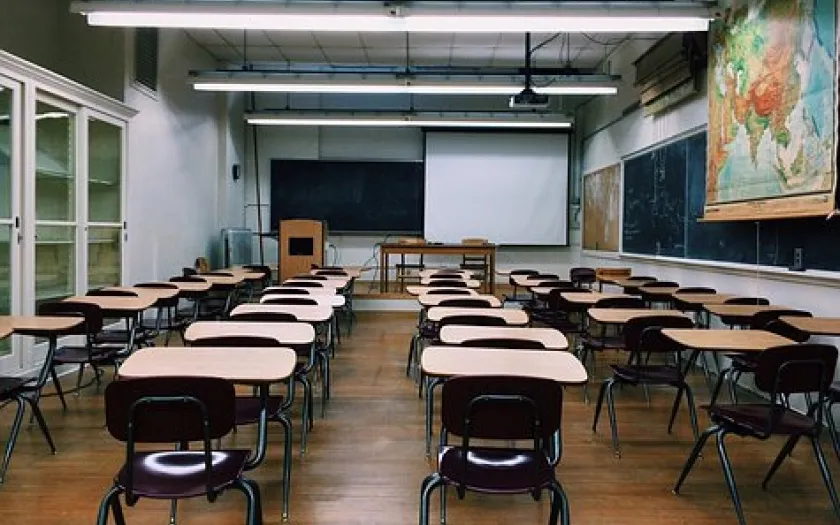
x=664, y=193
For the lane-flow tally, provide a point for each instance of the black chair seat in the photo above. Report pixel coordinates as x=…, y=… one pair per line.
x=79, y=354
x=494, y=470
x=8, y=385
x=248, y=409
x=428, y=331
x=751, y=419
x=179, y=474
x=834, y=392
x=743, y=362
x=659, y=374
x=615, y=342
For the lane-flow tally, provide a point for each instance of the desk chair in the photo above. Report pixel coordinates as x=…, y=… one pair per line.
x=475, y=263
x=513, y=273
x=408, y=269
x=582, y=277
x=780, y=372
x=498, y=408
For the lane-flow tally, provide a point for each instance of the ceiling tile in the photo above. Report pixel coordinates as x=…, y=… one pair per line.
x=338, y=39
x=263, y=54
x=476, y=39
x=291, y=38
x=345, y=55
x=224, y=52
x=303, y=54
x=206, y=37
x=431, y=39
x=383, y=40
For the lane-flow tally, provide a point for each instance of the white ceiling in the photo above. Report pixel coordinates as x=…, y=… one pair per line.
x=394, y=49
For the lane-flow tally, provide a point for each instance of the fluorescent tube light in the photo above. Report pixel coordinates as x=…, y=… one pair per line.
x=268, y=85
x=505, y=120
x=363, y=18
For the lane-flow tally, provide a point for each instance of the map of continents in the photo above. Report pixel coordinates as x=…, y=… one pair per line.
x=771, y=101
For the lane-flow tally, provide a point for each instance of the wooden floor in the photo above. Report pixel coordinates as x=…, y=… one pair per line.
x=365, y=461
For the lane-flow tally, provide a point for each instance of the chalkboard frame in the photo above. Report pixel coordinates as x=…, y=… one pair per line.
x=419, y=174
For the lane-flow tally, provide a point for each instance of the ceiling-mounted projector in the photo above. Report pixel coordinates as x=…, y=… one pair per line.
x=529, y=99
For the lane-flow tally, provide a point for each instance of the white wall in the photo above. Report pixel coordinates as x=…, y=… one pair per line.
x=609, y=137
x=368, y=144
x=175, y=170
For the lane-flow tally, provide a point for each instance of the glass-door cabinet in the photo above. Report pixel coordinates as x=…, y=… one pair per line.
x=62, y=181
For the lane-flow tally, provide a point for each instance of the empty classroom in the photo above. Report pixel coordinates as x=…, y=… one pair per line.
x=389, y=262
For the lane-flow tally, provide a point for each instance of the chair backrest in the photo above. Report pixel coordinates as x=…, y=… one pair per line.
x=186, y=271
x=169, y=409
x=305, y=284
x=555, y=297
x=446, y=274
x=466, y=302
x=783, y=329
x=661, y=284
x=761, y=319
x=309, y=301
x=641, y=278
x=279, y=290
x=582, y=275
x=443, y=291
x=310, y=277
x=558, y=283
x=545, y=277
x=264, y=317
x=472, y=320
x=218, y=273
x=455, y=283
x=91, y=312
x=504, y=342
x=186, y=279
x=654, y=341
x=520, y=272
x=758, y=301
x=697, y=289
x=332, y=272
x=112, y=293
x=620, y=302
x=258, y=268
x=236, y=340
x=796, y=369
x=163, y=303
x=501, y=407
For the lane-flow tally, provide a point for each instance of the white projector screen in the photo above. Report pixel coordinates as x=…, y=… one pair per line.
x=510, y=188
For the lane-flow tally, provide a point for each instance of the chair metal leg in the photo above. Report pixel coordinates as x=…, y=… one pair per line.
x=729, y=475
x=675, y=408
x=559, y=504
x=251, y=491
x=173, y=512
x=13, y=435
x=307, y=407
x=42, y=424
x=733, y=386
x=110, y=501
x=598, y=404
x=287, y=464
x=429, y=484
x=692, y=410
x=79, y=378
x=443, y=505
x=613, y=420
x=785, y=452
x=832, y=431
x=410, y=360
x=57, y=385
x=721, y=378
x=692, y=458
x=826, y=475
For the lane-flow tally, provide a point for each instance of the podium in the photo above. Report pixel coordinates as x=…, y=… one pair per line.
x=301, y=245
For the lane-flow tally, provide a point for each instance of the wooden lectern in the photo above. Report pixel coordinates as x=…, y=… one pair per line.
x=301, y=246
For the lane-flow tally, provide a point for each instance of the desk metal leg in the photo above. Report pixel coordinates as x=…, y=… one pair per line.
x=262, y=430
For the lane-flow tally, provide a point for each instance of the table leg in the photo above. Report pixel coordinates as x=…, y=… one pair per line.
x=262, y=430
x=383, y=270
x=492, y=272
x=287, y=464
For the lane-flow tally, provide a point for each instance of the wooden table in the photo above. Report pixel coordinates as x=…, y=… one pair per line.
x=698, y=299
x=825, y=326
x=155, y=293
x=550, y=338
x=428, y=300
x=128, y=308
x=333, y=284
x=470, y=283
x=222, y=280
x=663, y=292
x=191, y=286
x=425, y=274
x=441, y=362
x=260, y=367
x=353, y=272
x=296, y=334
x=319, y=313
x=486, y=250
x=620, y=316
x=588, y=298
x=333, y=300
x=630, y=283
x=420, y=290
x=510, y=316
x=740, y=313
x=527, y=281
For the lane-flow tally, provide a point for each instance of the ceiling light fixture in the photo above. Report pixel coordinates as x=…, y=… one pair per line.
x=656, y=17
x=277, y=84
x=436, y=120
